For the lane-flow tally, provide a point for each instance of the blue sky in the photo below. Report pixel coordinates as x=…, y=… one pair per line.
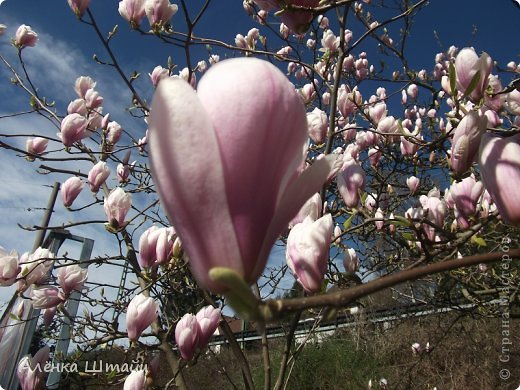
x=65, y=51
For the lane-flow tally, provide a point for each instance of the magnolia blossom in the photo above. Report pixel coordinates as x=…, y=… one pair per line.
x=3, y=27
x=113, y=132
x=318, y=122
x=73, y=129
x=46, y=297
x=122, y=172
x=48, y=315
x=25, y=36
x=329, y=41
x=35, y=267
x=72, y=277
x=499, y=160
x=208, y=318
x=116, y=206
x=79, y=6
x=155, y=246
x=70, y=190
x=78, y=106
x=158, y=73
x=83, y=84
x=412, y=91
x=467, y=64
x=133, y=11
x=350, y=260
x=159, y=12
x=436, y=209
x=465, y=195
x=348, y=101
x=98, y=175
x=36, y=146
x=8, y=267
x=466, y=141
x=135, y=381
x=141, y=312
x=512, y=102
x=308, y=251
x=413, y=184
x=187, y=334
x=299, y=20
x=351, y=183
x=379, y=219
x=208, y=149
x=30, y=370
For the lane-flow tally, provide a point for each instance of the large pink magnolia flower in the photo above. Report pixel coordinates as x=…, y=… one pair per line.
x=467, y=64
x=499, y=160
x=226, y=160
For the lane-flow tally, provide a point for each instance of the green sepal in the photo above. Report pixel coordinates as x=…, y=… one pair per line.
x=240, y=297
x=472, y=84
x=453, y=79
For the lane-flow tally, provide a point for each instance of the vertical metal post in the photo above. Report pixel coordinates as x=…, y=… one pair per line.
x=62, y=344
x=32, y=315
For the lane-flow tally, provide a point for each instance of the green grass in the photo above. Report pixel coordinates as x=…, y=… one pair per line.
x=332, y=364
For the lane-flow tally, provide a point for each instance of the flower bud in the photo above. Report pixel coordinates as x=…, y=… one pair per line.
x=48, y=315
x=113, y=132
x=83, y=84
x=133, y=11
x=350, y=260
x=70, y=190
x=187, y=333
x=141, y=312
x=413, y=184
x=35, y=146
x=30, y=371
x=308, y=251
x=208, y=318
x=71, y=277
x=79, y=6
x=25, y=36
x=97, y=175
x=34, y=267
x=116, y=206
x=318, y=122
x=135, y=381
x=8, y=267
x=466, y=194
x=466, y=141
x=159, y=12
x=467, y=64
x=351, y=183
x=73, y=129
x=46, y=297
x=158, y=74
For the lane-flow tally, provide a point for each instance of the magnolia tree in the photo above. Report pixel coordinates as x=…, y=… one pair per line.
x=301, y=133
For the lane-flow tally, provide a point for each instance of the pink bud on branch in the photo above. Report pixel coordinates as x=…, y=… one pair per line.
x=141, y=312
